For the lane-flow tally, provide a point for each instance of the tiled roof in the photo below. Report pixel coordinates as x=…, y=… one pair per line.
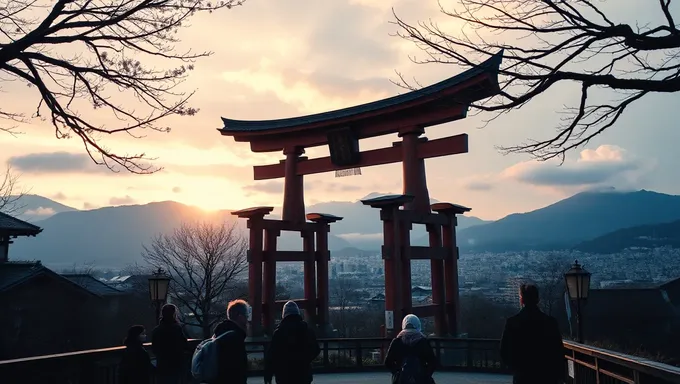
x=12, y=273
x=93, y=285
x=14, y=227
x=491, y=66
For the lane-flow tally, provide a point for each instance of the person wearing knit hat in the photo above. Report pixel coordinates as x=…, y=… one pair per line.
x=410, y=357
x=291, y=335
x=290, y=308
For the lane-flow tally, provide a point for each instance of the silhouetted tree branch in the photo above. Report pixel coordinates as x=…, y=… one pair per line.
x=204, y=261
x=10, y=196
x=548, y=42
x=104, y=54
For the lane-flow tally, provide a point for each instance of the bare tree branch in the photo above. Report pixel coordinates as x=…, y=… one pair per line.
x=549, y=42
x=204, y=261
x=10, y=195
x=116, y=47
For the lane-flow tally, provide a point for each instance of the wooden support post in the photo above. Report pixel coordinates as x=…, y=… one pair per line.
x=438, y=290
x=309, y=278
x=451, y=263
x=323, y=257
x=293, y=188
x=255, y=223
x=269, y=280
x=413, y=167
x=392, y=256
x=405, y=265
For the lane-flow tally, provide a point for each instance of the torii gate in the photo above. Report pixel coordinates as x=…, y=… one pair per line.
x=408, y=115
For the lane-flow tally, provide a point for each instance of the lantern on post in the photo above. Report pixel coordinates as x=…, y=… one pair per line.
x=577, y=280
x=159, y=283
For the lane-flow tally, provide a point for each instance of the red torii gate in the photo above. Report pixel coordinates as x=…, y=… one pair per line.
x=407, y=114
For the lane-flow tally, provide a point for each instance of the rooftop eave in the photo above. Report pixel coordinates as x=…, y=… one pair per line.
x=488, y=70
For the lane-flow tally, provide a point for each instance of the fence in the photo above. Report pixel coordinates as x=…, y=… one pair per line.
x=585, y=365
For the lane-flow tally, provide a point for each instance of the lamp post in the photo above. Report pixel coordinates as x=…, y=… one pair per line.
x=159, y=283
x=577, y=280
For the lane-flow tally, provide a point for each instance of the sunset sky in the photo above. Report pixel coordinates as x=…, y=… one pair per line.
x=275, y=59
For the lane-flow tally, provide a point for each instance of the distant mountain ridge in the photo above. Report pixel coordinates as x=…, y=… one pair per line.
x=113, y=236
x=568, y=222
x=33, y=208
x=640, y=237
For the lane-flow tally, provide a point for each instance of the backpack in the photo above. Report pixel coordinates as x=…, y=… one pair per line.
x=204, y=363
x=411, y=369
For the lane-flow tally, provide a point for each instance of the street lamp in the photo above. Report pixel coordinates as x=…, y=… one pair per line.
x=158, y=289
x=578, y=288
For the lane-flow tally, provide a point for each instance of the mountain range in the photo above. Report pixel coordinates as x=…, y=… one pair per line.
x=640, y=237
x=113, y=236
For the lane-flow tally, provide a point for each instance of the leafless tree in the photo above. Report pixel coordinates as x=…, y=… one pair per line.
x=10, y=195
x=549, y=42
x=204, y=261
x=80, y=53
x=549, y=276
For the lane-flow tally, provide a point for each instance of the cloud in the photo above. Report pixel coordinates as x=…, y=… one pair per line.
x=176, y=190
x=276, y=187
x=87, y=206
x=268, y=187
x=56, y=162
x=126, y=200
x=40, y=211
x=360, y=236
x=58, y=196
x=478, y=185
x=601, y=165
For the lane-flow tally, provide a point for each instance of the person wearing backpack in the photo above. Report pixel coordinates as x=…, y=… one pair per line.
x=410, y=357
x=232, y=358
x=292, y=349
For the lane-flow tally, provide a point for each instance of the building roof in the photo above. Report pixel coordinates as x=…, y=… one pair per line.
x=490, y=66
x=12, y=226
x=15, y=273
x=93, y=285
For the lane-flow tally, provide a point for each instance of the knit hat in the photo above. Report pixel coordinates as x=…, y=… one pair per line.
x=290, y=308
x=411, y=322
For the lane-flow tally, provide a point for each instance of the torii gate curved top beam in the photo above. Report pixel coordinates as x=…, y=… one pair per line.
x=439, y=103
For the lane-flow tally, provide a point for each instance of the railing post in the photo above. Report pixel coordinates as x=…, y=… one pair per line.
x=438, y=352
x=326, y=363
x=359, y=357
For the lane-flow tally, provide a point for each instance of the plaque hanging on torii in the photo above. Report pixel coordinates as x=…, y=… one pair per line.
x=408, y=115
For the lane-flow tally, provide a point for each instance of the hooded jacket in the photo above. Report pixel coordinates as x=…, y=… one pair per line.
x=291, y=352
x=231, y=354
x=410, y=339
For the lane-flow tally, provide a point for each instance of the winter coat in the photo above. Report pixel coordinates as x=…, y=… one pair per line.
x=418, y=344
x=231, y=354
x=135, y=365
x=169, y=345
x=532, y=347
x=291, y=352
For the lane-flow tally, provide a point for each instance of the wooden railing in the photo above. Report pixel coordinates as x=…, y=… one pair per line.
x=584, y=364
x=590, y=365
x=337, y=355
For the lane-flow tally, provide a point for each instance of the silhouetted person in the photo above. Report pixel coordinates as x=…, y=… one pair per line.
x=292, y=349
x=532, y=344
x=231, y=349
x=135, y=366
x=170, y=346
x=410, y=357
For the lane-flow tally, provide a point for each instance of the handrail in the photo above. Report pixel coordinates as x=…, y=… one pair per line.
x=590, y=364
x=637, y=365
